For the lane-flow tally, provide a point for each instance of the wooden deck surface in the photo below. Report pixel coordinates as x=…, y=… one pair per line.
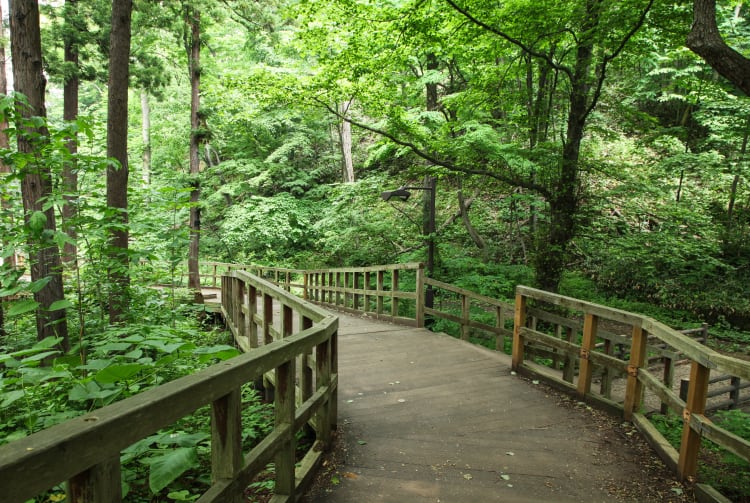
x=427, y=417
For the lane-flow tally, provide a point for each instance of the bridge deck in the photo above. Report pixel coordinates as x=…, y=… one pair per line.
x=426, y=417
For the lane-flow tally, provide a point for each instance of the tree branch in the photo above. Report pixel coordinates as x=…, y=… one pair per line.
x=705, y=40
x=434, y=159
x=512, y=40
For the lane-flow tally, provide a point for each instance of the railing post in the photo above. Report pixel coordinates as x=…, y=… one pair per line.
x=465, y=312
x=394, y=290
x=519, y=321
x=585, y=370
x=420, y=308
x=284, y=418
x=267, y=318
x=286, y=321
x=101, y=482
x=668, y=380
x=734, y=395
x=355, y=287
x=379, y=285
x=252, y=311
x=634, y=387
x=687, y=465
x=226, y=440
x=323, y=363
x=306, y=373
x=569, y=362
x=499, y=323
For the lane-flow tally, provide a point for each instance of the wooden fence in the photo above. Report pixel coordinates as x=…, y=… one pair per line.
x=85, y=451
x=538, y=318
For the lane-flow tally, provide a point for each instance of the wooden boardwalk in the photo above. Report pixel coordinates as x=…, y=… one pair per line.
x=426, y=417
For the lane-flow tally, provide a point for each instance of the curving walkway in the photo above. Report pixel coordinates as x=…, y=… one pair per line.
x=426, y=417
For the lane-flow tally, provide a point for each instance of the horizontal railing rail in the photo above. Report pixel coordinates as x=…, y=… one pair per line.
x=538, y=318
x=85, y=451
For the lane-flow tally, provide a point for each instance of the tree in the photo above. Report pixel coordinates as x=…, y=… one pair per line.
x=117, y=150
x=705, y=40
x=36, y=184
x=192, y=40
x=70, y=113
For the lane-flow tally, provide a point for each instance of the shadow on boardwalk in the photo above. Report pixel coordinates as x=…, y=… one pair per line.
x=426, y=417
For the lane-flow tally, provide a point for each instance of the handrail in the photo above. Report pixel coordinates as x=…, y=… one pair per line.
x=588, y=354
x=85, y=450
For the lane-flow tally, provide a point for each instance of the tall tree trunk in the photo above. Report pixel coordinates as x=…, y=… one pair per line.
x=345, y=140
x=70, y=113
x=117, y=148
x=193, y=21
x=4, y=140
x=146, y=136
x=551, y=254
x=36, y=186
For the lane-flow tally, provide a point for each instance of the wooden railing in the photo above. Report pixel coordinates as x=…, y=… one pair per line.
x=537, y=324
x=85, y=451
x=389, y=292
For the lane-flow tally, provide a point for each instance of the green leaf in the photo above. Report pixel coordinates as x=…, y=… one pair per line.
x=21, y=307
x=169, y=466
x=222, y=352
x=37, y=221
x=117, y=373
x=37, y=285
x=10, y=397
x=60, y=304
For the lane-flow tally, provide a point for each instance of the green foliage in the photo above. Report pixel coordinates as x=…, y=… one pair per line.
x=728, y=473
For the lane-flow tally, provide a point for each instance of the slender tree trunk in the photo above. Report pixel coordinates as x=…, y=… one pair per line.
x=4, y=140
x=36, y=186
x=146, y=136
x=70, y=113
x=736, y=181
x=117, y=148
x=193, y=20
x=345, y=140
x=464, y=209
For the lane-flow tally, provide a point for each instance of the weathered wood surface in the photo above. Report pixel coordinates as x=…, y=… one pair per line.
x=426, y=417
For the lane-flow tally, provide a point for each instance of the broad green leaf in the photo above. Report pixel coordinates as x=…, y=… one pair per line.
x=167, y=467
x=39, y=284
x=39, y=356
x=10, y=397
x=114, y=346
x=60, y=304
x=22, y=307
x=222, y=352
x=116, y=373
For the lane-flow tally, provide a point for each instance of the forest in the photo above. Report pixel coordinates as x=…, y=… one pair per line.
x=595, y=148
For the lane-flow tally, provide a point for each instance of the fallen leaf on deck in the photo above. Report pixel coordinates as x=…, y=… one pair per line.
x=349, y=475
x=468, y=476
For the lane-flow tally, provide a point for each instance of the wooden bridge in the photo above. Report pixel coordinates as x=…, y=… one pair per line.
x=424, y=416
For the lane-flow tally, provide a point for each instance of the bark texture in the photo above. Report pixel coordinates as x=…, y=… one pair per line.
x=36, y=186
x=705, y=40
x=117, y=148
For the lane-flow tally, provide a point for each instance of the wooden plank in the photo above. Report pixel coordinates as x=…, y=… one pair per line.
x=519, y=321
x=99, y=483
x=695, y=404
x=226, y=440
x=585, y=370
x=284, y=412
x=633, y=387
